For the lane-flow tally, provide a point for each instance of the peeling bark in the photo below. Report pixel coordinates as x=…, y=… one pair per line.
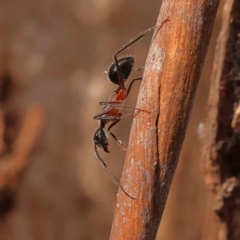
x=221, y=163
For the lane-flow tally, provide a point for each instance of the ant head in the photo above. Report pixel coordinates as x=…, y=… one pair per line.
x=100, y=139
x=125, y=65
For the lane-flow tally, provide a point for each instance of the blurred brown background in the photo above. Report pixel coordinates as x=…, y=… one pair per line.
x=52, y=57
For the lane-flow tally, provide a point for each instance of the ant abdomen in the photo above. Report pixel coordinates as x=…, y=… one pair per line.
x=125, y=64
x=100, y=139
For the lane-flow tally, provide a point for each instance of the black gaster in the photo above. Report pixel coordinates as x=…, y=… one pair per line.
x=125, y=65
x=100, y=139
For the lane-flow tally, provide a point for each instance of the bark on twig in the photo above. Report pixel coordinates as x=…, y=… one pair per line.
x=222, y=151
x=174, y=62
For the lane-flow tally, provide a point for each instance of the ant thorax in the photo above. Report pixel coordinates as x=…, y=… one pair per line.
x=119, y=96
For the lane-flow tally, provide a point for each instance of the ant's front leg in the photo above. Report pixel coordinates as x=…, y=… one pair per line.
x=130, y=85
x=137, y=69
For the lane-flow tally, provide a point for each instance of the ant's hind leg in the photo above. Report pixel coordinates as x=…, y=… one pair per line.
x=114, y=136
x=112, y=177
x=115, y=104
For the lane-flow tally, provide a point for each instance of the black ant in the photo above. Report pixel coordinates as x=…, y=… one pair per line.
x=118, y=73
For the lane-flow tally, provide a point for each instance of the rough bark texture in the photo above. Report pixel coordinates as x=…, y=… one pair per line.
x=222, y=154
x=171, y=76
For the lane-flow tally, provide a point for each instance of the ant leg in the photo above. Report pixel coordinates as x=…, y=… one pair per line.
x=128, y=91
x=112, y=177
x=129, y=44
x=114, y=136
x=128, y=115
x=109, y=118
x=130, y=85
x=137, y=69
x=115, y=104
x=109, y=115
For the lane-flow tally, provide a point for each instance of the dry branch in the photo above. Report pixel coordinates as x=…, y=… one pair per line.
x=174, y=62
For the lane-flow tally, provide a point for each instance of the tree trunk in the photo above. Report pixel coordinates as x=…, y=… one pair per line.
x=222, y=151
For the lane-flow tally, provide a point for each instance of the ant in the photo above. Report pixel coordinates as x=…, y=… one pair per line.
x=118, y=74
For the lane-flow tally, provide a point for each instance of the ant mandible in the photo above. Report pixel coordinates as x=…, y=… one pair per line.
x=118, y=73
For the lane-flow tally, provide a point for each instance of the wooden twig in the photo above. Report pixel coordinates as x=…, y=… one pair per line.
x=168, y=88
x=221, y=162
